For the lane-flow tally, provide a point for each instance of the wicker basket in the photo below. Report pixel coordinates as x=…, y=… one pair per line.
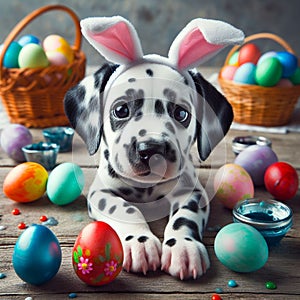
x=257, y=105
x=34, y=96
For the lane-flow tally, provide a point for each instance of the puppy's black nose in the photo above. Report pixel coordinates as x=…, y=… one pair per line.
x=149, y=149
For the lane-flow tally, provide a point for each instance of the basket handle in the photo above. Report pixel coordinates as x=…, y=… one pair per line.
x=24, y=22
x=263, y=35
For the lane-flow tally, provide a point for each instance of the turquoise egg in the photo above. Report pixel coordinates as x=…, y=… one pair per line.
x=11, y=55
x=37, y=255
x=289, y=63
x=28, y=39
x=241, y=248
x=268, y=72
x=65, y=183
x=33, y=56
x=245, y=74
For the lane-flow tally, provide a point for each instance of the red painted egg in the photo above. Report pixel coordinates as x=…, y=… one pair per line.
x=281, y=180
x=97, y=255
x=249, y=53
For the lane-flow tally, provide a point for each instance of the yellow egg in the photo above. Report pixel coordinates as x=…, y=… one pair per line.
x=25, y=182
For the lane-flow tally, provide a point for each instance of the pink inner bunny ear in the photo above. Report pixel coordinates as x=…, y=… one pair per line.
x=200, y=40
x=115, y=38
x=194, y=48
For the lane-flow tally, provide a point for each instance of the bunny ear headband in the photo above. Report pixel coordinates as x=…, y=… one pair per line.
x=117, y=40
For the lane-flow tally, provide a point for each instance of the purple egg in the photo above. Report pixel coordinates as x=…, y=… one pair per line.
x=255, y=160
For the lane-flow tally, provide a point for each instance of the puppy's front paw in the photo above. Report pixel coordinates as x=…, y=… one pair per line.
x=141, y=253
x=184, y=258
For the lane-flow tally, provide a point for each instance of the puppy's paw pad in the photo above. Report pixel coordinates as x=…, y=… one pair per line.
x=141, y=253
x=184, y=258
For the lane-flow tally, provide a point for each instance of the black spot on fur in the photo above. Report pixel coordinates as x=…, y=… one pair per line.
x=159, y=107
x=102, y=204
x=142, y=239
x=186, y=81
x=191, y=225
x=170, y=127
x=149, y=72
x=125, y=191
x=128, y=238
x=111, y=172
x=92, y=194
x=171, y=242
x=142, y=132
x=106, y=154
x=175, y=208
x=112, y=209
x=131, y=80
x=130, y=210
x=192, y=206
x=170, y=95
x=188, y=239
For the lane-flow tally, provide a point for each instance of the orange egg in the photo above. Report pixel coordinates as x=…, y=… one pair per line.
x=25, y=182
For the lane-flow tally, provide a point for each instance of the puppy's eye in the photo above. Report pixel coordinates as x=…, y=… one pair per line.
x=121, y=111
x=180, y=114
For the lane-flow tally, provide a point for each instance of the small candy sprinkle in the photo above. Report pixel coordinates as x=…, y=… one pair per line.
x=216, y=297
x=219, y=290
x=50, y=222
x=232, y=283
x=22, y=225
x=270, y=285
x=2, y=275
x=43, y=218
x=2, y=227
x=15, y=211
x=72, y=295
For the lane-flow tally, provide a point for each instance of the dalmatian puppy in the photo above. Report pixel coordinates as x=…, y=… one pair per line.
x=143, y=113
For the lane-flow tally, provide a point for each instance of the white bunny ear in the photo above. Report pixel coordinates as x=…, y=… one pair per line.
x=200, y=40
x=114, y=37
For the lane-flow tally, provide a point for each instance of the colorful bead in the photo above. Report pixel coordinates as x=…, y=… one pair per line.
x=22, y=225
x=270, y=285
x=43, y=218
x=232, y=283
x=216, y=297
x=72, y=295
x=16, y=211
x=2, y=275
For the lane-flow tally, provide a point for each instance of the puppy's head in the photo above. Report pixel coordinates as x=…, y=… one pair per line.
x=149, y=110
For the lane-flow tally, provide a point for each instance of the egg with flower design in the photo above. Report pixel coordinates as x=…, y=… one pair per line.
x=97, y=254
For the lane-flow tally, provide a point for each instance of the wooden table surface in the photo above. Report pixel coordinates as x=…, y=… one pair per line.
x=282, y=266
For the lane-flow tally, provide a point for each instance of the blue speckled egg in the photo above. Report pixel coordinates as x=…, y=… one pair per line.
x=245, y=74
x=241, y=248
x=37, y=255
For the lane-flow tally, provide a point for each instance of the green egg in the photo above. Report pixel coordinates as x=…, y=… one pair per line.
x=233, y=60
x=65, y=183
x=269, y=72
x=33, y=56
x=295, y=78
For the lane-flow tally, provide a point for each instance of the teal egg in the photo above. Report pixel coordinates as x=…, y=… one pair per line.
x=245, y=74
x=11, y=55
x=33, y=56
x=241, y=248
x=268, y=72
x=65, y=183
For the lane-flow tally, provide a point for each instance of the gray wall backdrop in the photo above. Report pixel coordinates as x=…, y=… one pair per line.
x=159, y=21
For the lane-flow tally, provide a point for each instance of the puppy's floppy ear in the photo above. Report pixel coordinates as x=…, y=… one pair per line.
x=84, y=106
x=214, y=116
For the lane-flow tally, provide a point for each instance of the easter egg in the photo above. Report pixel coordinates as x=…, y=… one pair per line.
x=249, y=53
x=11, y=55
x=281, y=180
x=266, y=55
x=241, y=248
x=269, y=72
x=227, y=72
x=97, y=254
x=37, y=255
x=33, y=56
x=13, y=138
x=233, y=60
x=245, y=74
x=255, y=159
x=56, y=58
x=65, y=183
x=26, y=182
x=28, y=39
x=289, y=63
x=232, y=184
x=56, y=43
x=295, y=78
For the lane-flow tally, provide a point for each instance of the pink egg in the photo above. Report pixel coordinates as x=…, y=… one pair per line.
x=56, y=58
x=283, y=82
x=227, y=72
x=232, y=183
